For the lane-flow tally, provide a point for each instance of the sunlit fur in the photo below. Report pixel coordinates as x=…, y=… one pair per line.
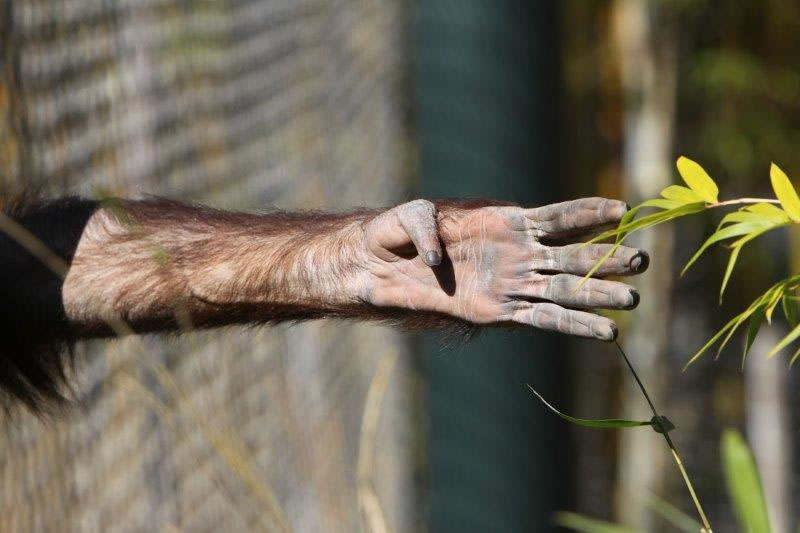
x=144, y=261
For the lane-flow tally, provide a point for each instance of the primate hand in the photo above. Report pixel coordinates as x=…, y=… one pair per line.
x=500, y=264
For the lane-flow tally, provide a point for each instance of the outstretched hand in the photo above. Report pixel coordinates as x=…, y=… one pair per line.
x=496, y=264
x=418, y=264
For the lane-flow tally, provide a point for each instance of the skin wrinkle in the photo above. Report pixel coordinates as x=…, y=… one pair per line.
x=460, y=243
x=558, y=322
x=487, y=275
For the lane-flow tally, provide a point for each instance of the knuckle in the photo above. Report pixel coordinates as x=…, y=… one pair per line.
x=421, y=206
x=563, y=280
x=593, y=202
x=536, y=287
x=542, y=314
x=545, y=258
x=570, y=255
x=591, y=328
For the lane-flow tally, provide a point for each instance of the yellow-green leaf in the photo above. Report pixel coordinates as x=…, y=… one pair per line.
x=735, y=230
x=785, y=192
x=771, y=211
x=681, y=194
x=673, y=515
x=739, y=321
x=734, y=323
x=736, y=248
x=583, y=524
x=662, y=203
x=698, y=179
x=793, y=360
x=787, y=340
x=789, y=309
x=628, y=225
x=744, y=216
x=729, y=269
x=604, y=423
x=773, y=301
x=744, y=484
x=752, y=331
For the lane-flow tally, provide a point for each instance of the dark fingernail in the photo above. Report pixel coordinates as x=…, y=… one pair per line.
x=613, y=331
x=433, y=258
x=640, y=261
x=634, y=299
x=627, y=207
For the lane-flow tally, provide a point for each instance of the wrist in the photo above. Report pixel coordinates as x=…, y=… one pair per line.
x=334, y=265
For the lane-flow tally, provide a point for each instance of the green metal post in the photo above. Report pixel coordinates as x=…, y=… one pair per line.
x=487, y=84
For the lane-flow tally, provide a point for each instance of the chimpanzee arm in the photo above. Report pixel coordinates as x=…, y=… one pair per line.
x=148, y=264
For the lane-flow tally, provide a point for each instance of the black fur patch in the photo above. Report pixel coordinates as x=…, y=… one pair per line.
x=35, y=342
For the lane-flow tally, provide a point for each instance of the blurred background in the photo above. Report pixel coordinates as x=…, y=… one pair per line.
x=254, y=104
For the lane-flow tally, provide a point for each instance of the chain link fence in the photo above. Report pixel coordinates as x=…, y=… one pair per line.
x=244, y=104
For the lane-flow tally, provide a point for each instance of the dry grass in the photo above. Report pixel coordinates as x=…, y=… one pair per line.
x=225, y=442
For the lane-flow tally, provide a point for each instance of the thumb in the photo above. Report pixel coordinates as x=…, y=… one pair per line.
x=418, y=220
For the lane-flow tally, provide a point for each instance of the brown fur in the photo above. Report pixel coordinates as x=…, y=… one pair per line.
x=145, y=262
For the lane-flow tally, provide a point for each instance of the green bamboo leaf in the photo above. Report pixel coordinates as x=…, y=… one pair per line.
x=793, y=360
x=600, y=262
x=769, y=214
x=673, y=515
x=756, y=233
x=771, y=211
x=698, y=179
x=732, y=323
x=734, y=230
x=744, y=484
x=789, y=309
x=742, y=216
x=764, y=302
x=681, y=194
x=662, y=203
x=739, y=321
x=628, y=225
x=736, y=248
x=773, y=301
x=581, y=523
x=629, y=215
x=752, y=331
x=662, y=216
x=594, y=423
x=731, y=262
x=785, y=192
x=787, y=340
x=709, y=343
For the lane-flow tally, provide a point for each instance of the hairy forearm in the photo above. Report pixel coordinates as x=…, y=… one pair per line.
x=150, y=263
x=157, y=265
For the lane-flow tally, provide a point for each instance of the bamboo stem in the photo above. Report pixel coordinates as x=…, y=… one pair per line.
x=743, y=201
x=675, y=454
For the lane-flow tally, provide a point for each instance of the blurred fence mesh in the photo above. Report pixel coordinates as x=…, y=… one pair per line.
x=244, y=104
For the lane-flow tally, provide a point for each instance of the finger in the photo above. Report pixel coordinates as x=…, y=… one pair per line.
x=579, y=259
x=551, y=317
x=566, y=290
x=418, y=219
x=566, y=219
